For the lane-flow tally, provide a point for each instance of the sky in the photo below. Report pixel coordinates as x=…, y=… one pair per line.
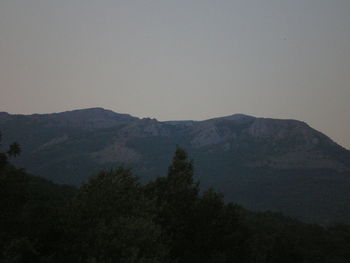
x=180, y=59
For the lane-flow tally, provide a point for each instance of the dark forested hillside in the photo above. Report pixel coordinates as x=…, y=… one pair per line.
x=279, y=165
x=115, y=218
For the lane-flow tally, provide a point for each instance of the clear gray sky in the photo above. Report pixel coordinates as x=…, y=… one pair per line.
x=180, y=59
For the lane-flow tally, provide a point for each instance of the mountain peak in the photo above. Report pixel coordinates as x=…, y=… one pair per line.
x=233, y=117
x=94, y=110
x=86, y=119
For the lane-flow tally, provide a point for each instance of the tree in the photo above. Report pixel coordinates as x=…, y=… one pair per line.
x=181, y=189
x=175, y=196
x=13, y=151
x=20, y=251
x=111, y=220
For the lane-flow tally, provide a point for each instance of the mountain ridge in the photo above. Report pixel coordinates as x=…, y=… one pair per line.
x=228, y=132
x=258, y=162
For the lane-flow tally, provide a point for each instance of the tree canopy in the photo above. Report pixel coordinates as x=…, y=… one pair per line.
x=114, y=218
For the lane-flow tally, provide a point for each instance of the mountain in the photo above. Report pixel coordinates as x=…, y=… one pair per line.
x=261, y=163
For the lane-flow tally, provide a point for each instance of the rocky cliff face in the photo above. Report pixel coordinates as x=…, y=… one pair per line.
x=282, y=144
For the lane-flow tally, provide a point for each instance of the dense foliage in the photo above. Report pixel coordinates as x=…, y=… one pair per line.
x=114, y=218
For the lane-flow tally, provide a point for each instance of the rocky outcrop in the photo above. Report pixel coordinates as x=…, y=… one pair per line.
x=105, y=137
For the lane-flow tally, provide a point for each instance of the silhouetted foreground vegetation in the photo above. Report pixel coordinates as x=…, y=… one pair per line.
x=113, y=218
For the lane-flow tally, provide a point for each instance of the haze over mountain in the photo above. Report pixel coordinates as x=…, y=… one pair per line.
x=261, y=163
x=181, y=59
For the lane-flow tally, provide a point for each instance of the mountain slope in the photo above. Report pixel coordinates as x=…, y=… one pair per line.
x=262, y=163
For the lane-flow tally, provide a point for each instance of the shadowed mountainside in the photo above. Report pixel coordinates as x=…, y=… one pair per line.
x=261, y=163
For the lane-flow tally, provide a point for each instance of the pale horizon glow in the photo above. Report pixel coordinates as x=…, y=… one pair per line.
x=176, y=60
